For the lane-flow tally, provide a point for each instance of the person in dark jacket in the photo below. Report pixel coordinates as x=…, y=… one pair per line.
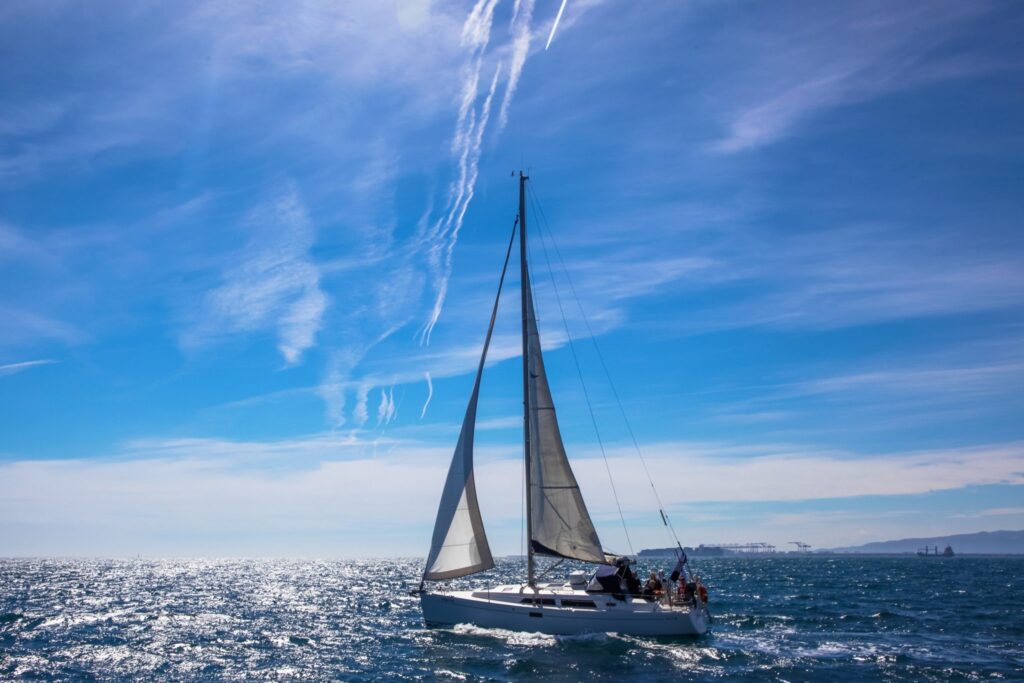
x=689, y=588
x=653, y=586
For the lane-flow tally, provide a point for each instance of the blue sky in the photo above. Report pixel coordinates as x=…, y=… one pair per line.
x=248, y=251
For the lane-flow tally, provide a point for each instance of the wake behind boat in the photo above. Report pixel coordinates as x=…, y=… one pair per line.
x=558, y=524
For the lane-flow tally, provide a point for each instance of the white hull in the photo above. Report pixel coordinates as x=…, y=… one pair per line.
x=561, y=611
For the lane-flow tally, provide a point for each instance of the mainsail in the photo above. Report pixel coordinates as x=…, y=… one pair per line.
x=459, y=545
x=559, y=522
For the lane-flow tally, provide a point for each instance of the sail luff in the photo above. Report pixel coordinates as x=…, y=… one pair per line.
x=459, y=544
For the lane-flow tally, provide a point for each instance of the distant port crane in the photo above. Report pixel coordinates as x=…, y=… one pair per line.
x=801, y=547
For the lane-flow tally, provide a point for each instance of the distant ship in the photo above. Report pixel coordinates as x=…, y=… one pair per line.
x=557, y=522
x=927, y=552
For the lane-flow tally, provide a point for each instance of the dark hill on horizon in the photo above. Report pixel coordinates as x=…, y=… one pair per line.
x=982, y=542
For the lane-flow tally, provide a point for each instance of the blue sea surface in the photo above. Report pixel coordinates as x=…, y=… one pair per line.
x=776, y=619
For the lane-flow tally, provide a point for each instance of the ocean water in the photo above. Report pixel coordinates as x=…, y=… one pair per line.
x=779, y=619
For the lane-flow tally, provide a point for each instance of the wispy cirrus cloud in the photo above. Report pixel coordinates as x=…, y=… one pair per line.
x=274, y=285
x=960, y=382
x=179, y=97
x=177, y=94
x=849, y=275
x=856, y=54
x=23, y=327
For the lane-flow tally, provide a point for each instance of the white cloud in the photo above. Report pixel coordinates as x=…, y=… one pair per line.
x=22, y=327
x=167, y=93
x=273, y=285
x=841, y=58
x=361, y=413
x=386, y=408
x=992, y=512
x=953, y=383
x=509, y=422
x=167, y=496
x=793, y=473
x=430, y=394
x=836, y=277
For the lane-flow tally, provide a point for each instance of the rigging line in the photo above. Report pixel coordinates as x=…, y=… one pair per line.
x=522, y=515
x=533, y=287
x=593, y=338
x=551, y=567
x=586, y=394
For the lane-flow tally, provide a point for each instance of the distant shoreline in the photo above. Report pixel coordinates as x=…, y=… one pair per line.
x=769, y=556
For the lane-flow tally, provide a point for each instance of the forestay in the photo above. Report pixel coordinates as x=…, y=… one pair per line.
x=560, y=523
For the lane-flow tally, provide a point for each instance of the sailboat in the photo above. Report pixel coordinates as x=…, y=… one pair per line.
x=558, y=523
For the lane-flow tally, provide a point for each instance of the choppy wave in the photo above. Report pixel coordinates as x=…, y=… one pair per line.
x=775, y=619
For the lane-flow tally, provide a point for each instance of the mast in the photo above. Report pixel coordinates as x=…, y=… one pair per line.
x=524, y=285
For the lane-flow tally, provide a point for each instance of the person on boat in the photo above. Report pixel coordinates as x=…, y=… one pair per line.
x=666, y=586
x=653, y=585
x=677, y=579
x=700, y=589
x=687, y=589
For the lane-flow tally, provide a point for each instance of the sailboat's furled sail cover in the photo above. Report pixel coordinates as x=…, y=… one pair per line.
x=559, y=519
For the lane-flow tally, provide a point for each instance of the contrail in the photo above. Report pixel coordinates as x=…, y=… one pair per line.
x=360, y=412
x=521, y=16
x=12, y=368
x=555, y=25
x=430, y=393
x=476, y=34
x=386, y=409
x=470, y=143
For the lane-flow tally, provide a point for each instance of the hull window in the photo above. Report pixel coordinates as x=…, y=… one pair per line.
x=547, y=602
